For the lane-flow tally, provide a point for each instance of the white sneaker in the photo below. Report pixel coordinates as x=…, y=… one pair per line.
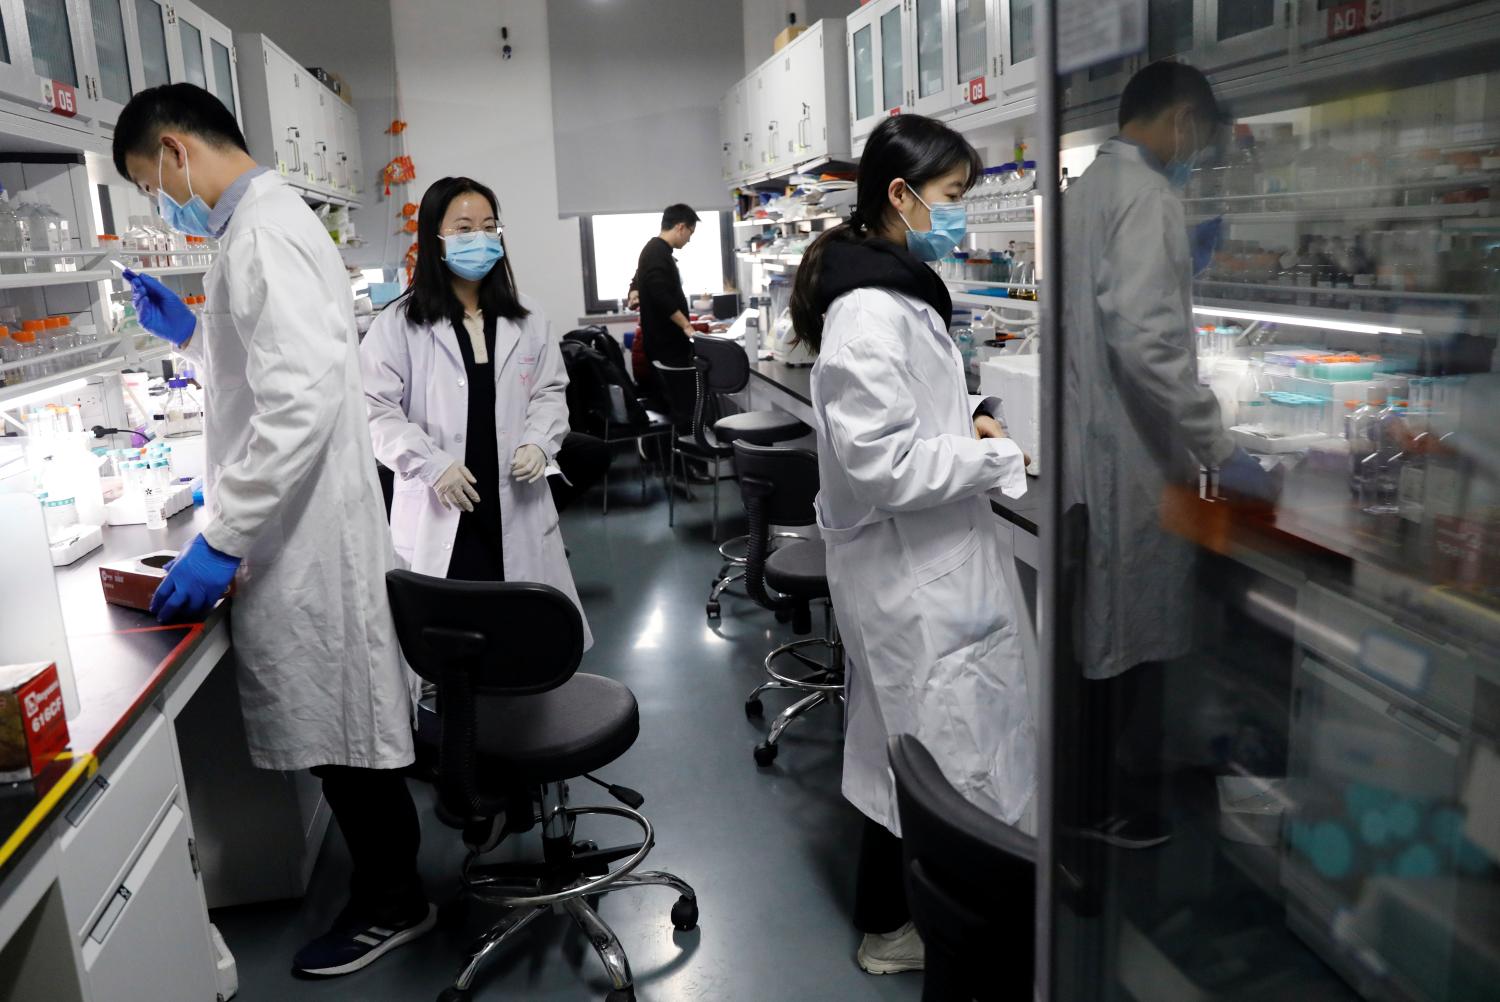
x=892, y=952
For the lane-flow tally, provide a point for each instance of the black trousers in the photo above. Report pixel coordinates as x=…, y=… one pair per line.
x=378, y=819
x=1121, y=735
x=880, y=882
x=584, y=460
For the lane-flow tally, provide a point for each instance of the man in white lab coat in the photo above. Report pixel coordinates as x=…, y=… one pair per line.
x=295, y=505
x=1138, y=422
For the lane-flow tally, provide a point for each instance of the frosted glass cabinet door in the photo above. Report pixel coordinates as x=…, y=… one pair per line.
x=1240, y=30
x=862, y=70
x=1017, y=21
x=892, y=58
x=54, y=53
x=932, y=56
x=194, y=68
x=974, y=51
x=151, y=35
x=111, y=51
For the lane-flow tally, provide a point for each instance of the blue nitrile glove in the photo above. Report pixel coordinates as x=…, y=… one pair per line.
x=195, y=581
x=1205, y=240
x=160, y=310
x=1243, y=479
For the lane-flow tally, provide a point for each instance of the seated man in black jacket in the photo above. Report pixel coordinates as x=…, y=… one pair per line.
x=666, y=333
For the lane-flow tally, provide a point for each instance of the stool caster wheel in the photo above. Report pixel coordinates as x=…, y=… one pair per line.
x=621, y=995
x=713, y=610
x=765, y=754
x=588, y=845
x=455, y=995
x=754, y=709
x=685, y=914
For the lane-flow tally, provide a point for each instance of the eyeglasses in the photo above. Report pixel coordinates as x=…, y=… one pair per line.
x=489, y=229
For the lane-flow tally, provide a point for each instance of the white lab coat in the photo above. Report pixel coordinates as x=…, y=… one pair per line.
x=419, y=412
x=1137, y=419
x=292, y=489
x=914, y=558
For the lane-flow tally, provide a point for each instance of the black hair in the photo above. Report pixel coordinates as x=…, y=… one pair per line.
x=181, y=106
x=430, y=298
x=914, y=148
x=1162, y=84
x=679, y=213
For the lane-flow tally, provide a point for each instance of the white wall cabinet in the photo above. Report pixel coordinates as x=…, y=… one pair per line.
x=791, y=110
x=295, y=124
x=877, y=65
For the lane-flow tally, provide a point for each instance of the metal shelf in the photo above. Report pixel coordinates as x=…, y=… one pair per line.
x=47, y=382
x=33, y=280
x=1005, y=226
x=760, y=224
x=1392, y=323
x=1330, y=196
x=176, y=269
x=1426, y=297
x=1392, y=213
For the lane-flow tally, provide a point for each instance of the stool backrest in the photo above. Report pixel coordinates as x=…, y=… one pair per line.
x=513, y=637
x=728, y=365
x=970, y=881
x=784, y=480
x=686, y=389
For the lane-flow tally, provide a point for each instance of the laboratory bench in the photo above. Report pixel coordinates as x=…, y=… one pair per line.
x=110, y=860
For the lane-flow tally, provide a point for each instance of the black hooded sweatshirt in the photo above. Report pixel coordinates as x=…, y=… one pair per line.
x=876, y=263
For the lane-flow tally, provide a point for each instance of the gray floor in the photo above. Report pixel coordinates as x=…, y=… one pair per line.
x=769, y=851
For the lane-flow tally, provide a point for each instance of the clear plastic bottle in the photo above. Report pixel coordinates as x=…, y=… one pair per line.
x=1250, y=404
x=137, y=243
x=12, y=238
x=1360, y=428
x=64, y=334
x=1381, y=477
x=64, y=235
x=43, y=235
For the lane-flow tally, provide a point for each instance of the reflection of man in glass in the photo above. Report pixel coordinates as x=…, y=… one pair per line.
x=1138, y=421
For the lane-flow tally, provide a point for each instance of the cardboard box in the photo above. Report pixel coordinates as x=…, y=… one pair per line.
x=131, y=582
x=787, y=34
x=33, y=725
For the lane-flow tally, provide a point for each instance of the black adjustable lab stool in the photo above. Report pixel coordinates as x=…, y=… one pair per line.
x=513, y=722
x=778, y=486
x=970, y=882
x=729, y=372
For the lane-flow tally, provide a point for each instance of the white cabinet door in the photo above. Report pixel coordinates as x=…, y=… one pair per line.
x=284, y=95
x=322, y=121
x=759, y=102
x=223, y=74
x=744, y=134
x=729, y=144
x=975, y=76
x=152, y=61
x=930, y=53
x=191, y=43
x=1018, y=48
x=1237, y=31
x=863, y=58
x=109, y=77
x=816, y=95
x=878, y=28
x=152, y=940
x=347, y=155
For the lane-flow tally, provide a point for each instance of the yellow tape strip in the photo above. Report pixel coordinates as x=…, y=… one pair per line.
x=84, y=766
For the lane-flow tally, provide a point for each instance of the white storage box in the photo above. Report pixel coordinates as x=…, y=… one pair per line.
x=1017, y=381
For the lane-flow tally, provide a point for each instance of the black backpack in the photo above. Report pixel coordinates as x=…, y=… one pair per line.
x=598, y=386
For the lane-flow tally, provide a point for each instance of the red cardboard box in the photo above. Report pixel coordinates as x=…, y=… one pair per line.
x=33, y=726
x=131, y=582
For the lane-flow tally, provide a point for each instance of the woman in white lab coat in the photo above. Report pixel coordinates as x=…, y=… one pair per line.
x=464, y=386
x=907, y=460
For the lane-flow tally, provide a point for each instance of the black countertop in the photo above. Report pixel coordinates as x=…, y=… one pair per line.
x=122, y=659
x=793, y=379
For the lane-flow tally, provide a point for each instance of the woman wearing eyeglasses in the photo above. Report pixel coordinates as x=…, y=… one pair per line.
x=464, y=386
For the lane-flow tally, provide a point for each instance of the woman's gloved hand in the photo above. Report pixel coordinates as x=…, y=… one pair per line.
x=455, y=488
x=197, y=579
x=529, y=464
x=160, y=310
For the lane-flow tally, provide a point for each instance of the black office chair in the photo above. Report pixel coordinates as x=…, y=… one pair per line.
x=778, y=486
x=970, y=883
x=512, y=722
x=728, y=373
x=686, y=390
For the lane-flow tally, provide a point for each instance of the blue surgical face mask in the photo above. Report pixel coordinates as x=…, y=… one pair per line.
x=191, y=218
x=1180, y=171
x=950, y=223
x=472, y=255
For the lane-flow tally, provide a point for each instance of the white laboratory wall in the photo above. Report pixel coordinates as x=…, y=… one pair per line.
x=764, y=19
x=352, y=38
x=472, y=112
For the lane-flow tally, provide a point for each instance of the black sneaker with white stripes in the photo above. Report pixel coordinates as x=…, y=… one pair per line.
x=354, y=943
